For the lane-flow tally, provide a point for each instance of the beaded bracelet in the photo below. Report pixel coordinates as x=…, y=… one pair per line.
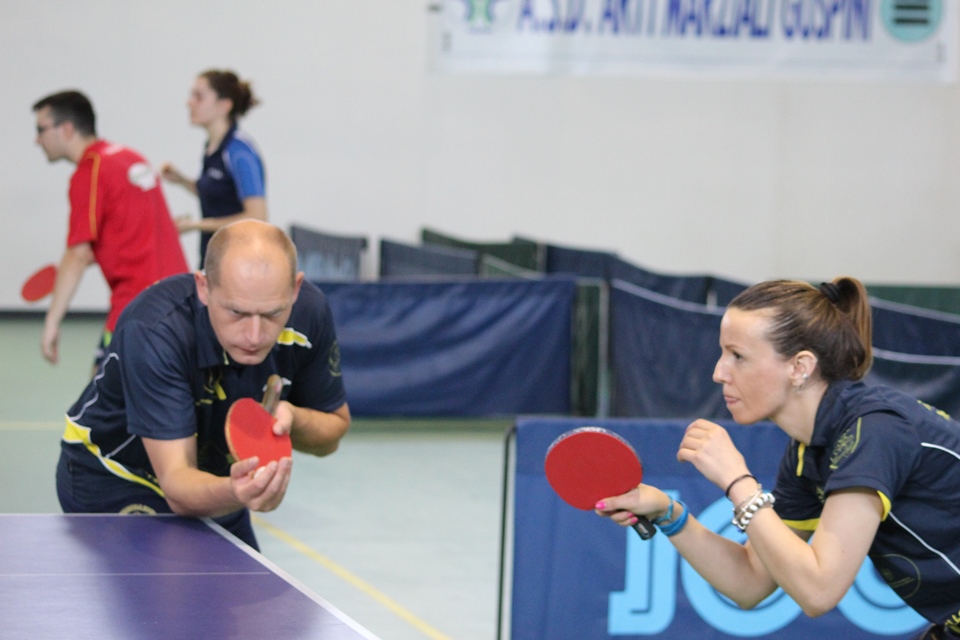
x=667, y=517
x=677, y=525
x=736, y=480
x=738, y=510
x=742, y=520
x=744, y=506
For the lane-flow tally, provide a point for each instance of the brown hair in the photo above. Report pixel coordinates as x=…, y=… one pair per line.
x=70, y=106
x=227, y=85
x=833, y=321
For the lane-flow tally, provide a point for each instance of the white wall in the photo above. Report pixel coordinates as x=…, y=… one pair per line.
x=742, y=179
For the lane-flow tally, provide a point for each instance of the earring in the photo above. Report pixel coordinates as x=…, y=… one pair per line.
x=799, y=387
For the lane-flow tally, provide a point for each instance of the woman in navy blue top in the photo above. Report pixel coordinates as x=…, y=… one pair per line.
x=870, y=470
x=232, y=183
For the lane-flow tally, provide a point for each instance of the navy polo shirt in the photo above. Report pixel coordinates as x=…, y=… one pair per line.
x=165, y=376
x=230, y=174
x=909, y=453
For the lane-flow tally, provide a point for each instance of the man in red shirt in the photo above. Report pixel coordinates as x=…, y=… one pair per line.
x=118, y=215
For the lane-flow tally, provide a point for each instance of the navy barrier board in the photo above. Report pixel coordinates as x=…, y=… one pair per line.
x=576, y=575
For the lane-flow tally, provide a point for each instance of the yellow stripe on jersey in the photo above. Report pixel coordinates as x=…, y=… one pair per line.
x=76, y=434
x=800, y=451
x=803, y=525
x=290, y=337
x=886, y=506
x=811, y=525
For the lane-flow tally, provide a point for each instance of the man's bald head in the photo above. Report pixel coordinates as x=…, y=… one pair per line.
x=255, y=244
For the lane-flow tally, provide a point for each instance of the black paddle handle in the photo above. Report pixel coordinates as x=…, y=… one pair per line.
x=644, y=528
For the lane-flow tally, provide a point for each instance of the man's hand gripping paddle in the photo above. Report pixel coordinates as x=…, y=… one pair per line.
x=40, y=284
x=590, y=463
x=249, y=427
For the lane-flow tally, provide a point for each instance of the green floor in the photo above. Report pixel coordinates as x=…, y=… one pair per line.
x=400, y=528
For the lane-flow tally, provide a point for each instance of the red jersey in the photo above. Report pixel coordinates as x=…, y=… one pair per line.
x=117, y=205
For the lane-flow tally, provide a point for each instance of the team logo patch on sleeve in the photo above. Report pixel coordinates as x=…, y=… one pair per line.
x=846, y=445
x=333, y=359
x=142, y=176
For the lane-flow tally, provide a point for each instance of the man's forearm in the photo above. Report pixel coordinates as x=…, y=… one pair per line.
x=74, y=262
x=319, y=432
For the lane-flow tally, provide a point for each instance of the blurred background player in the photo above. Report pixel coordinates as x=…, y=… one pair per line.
x=231, y=186
x=118, y=215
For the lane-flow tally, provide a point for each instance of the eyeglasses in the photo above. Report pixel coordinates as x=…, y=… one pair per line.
x=42, y=130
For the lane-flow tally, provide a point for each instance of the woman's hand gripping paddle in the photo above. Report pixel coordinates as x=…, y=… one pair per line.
x=249, y=427
x=40, y=284
x=590, y=463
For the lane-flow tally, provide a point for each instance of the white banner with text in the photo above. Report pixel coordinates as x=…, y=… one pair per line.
x=868, y=39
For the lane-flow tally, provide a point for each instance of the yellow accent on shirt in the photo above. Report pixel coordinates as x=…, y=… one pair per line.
x=886, y=506
x=76, y=434
x=292, y=337
x=803, y=525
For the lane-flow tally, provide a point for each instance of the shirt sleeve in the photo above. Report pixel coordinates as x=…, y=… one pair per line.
x=878, y=451
x=245, y=166
x=319, y=381
x=156, y=383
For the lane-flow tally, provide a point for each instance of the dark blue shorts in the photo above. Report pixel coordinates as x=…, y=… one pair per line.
x=82, y=489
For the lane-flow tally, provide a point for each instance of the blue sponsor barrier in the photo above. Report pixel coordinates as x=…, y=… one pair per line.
x=577, y=576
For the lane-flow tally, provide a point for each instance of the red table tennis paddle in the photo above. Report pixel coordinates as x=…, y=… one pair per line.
x=590, y=463
x=249, y=427
x=40, y=284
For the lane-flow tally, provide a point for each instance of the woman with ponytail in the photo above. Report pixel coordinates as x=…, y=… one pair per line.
x=231, y=186
x=869, y=470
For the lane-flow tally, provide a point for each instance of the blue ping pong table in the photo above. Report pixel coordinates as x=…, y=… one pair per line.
x=149, y=577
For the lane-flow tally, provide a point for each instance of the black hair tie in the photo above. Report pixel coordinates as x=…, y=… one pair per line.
x=831, y=291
